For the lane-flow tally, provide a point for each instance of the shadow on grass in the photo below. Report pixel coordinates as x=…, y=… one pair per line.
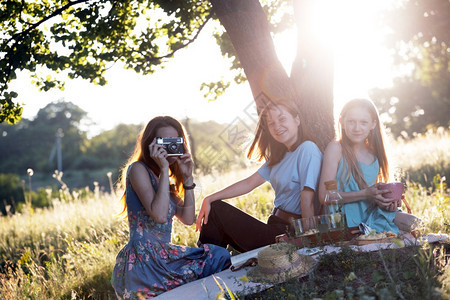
x=404, y=273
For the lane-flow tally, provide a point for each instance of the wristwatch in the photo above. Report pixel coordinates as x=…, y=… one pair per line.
x=189, y=187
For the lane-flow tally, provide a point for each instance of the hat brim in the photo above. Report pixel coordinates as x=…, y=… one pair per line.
x=304, y=268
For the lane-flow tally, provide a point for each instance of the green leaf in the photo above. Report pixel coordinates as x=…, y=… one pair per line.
x=408, y=275
x=377, y=276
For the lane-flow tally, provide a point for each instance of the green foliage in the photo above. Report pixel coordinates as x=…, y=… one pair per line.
x=9, y=111
x=38, y=200
x=212, y=148
x=378, y=274
x=280, y=16
x=11, y=193
x=66, y=251
x=419, y=34
x=109, y=149
x=409, y=107
x=420, y=158
x=83, y=38
x=30, y=143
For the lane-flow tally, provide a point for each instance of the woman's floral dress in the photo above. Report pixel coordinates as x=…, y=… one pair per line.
x=149, y=264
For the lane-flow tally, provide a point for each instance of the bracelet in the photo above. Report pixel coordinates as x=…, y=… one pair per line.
x=189, y=187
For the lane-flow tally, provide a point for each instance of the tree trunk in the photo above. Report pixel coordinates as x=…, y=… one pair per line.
x=248, y=28
x=312, y=76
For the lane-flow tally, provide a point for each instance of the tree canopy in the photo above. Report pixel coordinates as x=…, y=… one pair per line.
x=59, y=39
x=56, y=39
x=421, y=97
x=82, y=38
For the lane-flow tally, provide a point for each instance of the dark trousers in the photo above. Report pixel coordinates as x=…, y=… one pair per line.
x=228, y=225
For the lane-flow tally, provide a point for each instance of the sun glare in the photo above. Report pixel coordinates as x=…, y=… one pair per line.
x=361, y=62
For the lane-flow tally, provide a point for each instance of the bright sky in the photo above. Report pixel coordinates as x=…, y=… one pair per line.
x=360, y=63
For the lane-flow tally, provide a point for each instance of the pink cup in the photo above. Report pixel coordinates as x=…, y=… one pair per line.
x=397, y=189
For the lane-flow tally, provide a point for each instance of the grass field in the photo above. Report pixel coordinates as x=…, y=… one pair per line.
x=67, y=251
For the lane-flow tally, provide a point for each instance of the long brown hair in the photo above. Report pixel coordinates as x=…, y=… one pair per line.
x=142, y=153
x=264, y=146
x=374, y=142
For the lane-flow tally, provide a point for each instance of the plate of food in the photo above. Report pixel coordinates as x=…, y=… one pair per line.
x=375, y=237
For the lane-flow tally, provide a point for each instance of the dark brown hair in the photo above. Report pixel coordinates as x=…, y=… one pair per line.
x=264, y=146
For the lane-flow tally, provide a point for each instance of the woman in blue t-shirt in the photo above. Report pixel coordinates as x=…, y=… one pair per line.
x=292, y=166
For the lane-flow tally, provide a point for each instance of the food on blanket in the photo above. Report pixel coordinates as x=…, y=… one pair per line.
x=390, y=234
x=311, y=231
x=377, y=236
x=372, y=236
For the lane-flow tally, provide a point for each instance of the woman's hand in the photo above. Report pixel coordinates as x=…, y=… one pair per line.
x=395, y=204
x=376, y=194
x=203, y=214
x=159, y=154
x=391, y=207
x=186, y=166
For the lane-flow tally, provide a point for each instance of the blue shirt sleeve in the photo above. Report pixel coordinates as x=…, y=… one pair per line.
x=264, y=171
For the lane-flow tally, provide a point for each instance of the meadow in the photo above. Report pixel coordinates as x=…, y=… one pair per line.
x=67, y=251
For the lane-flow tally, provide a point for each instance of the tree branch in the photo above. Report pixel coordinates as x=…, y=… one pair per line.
x=19, y=36
x=52, y=15
x=154, y=59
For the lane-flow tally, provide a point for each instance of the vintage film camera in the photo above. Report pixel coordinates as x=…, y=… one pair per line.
x=173, y=145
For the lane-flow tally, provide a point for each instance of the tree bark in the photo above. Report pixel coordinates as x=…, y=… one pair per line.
x=246, y=23
x=248, y=28
x=312, y=75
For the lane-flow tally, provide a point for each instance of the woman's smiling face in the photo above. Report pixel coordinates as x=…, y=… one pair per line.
x=357, y=124
x=283, y=127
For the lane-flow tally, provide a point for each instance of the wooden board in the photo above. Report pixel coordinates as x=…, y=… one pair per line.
x=320, y=239
x=373, y=241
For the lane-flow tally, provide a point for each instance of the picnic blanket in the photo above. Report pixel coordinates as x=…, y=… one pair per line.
x=207, y=288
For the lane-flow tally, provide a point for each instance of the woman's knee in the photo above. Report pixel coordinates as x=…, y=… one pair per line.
x=407, y=222
x=221, y=208
x=218, y=204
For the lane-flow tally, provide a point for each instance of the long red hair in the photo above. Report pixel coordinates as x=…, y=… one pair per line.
x=374, y=142
x=142, y=153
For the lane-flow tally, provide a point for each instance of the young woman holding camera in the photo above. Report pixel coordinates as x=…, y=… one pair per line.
x=292, y=167
x=155, y=184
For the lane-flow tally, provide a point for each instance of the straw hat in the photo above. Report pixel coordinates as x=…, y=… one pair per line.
x=280, y=262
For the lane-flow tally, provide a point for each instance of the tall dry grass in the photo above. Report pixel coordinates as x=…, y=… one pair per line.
x=419, y=159
x=68, y=250
x=62, y=251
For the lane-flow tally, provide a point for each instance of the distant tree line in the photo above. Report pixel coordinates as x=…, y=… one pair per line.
x=31, y=143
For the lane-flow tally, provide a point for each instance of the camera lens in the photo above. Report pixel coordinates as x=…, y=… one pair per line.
x=172, y=148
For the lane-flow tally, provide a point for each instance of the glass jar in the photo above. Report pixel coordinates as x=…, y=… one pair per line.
x=334, y=206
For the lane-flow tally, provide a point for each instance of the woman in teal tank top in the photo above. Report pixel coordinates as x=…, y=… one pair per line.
x=363, y=211
x=358, y=162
